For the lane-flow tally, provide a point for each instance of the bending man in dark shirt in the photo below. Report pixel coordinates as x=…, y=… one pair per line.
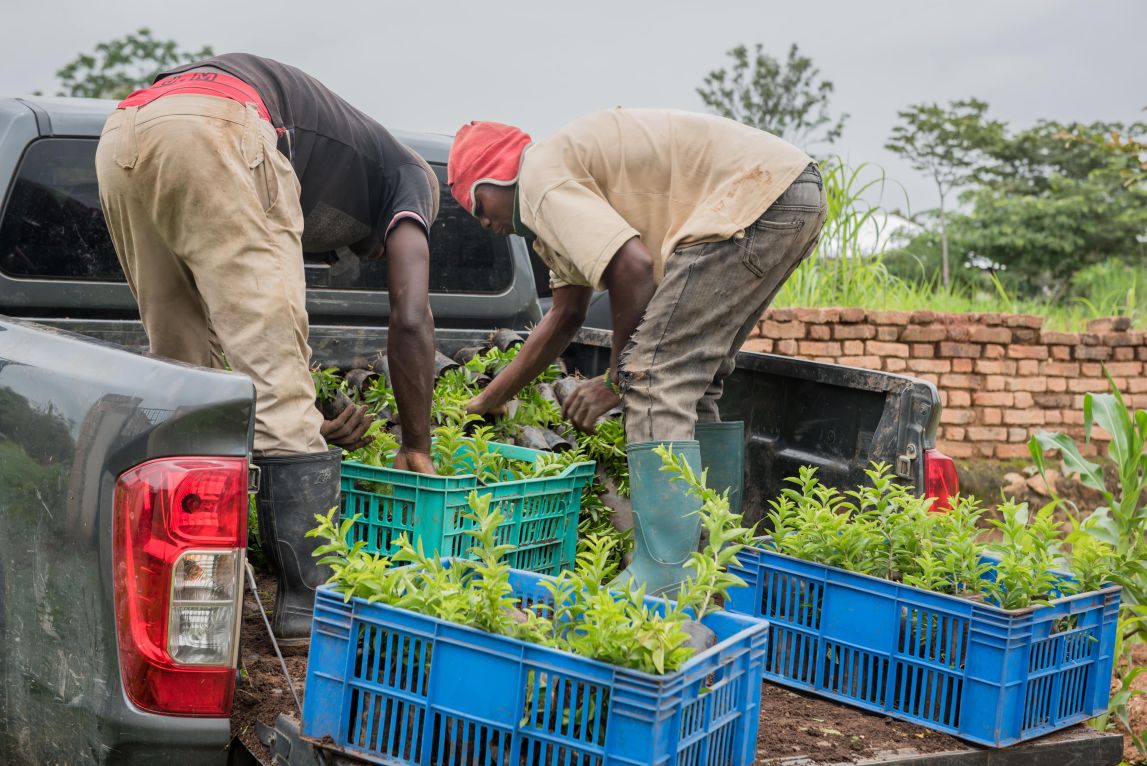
x=213, y=182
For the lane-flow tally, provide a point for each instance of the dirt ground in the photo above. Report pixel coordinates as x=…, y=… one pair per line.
x=1137, y=707
x=262, y=691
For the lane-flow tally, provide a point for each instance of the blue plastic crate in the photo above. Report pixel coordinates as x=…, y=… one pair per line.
x=987, y=675
x=396, y=687
x=541, y=513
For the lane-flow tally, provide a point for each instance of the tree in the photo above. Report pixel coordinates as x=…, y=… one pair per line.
x=119, y=66
x=782, y=98
x=1049, y=202
x=947, y=144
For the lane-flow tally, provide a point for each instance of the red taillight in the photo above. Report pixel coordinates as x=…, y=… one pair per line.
x=180, y=531
x=940, y=480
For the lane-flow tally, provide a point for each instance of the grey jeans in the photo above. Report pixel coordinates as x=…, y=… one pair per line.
x=672, y=371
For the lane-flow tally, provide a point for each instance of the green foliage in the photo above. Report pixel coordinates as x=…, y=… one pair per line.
x=119, y=66
x=1049, y=201
x=884, y=530
x=783, y=98
x=327, y=382
x=1111, y=539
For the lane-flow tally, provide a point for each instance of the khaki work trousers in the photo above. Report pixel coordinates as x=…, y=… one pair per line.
x=673, y=369
x=204, y=214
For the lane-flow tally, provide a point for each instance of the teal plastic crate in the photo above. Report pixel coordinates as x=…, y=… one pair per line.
x=541, y=514
x=394, y=687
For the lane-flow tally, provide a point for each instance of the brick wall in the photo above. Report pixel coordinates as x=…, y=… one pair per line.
x=1001, y=377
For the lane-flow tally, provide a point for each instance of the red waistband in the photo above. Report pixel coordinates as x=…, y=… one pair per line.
x=200, y=84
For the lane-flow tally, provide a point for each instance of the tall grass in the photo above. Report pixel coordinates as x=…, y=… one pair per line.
x=841, y=272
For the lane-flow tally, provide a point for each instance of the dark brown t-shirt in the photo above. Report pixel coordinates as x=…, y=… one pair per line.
x=356, y=179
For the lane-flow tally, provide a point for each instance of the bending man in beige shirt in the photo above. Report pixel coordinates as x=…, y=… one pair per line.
x=692, y=223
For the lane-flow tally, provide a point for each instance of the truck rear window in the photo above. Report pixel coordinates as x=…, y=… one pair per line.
x=53, y=228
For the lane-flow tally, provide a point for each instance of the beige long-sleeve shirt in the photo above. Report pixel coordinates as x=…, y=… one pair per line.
x=673, y=178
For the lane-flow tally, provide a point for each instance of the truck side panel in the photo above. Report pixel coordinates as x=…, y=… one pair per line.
x=74, y=414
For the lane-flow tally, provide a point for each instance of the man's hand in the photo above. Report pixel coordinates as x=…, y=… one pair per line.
x=348, y=430
x=588, y=402
x=482, y=406
x=411, y=460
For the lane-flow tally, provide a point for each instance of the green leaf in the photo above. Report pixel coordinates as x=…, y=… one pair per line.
x=1073, y=462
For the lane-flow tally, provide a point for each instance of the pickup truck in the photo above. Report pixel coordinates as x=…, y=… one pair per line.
x=107, y=454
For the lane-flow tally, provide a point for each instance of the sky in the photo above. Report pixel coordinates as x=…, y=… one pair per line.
x=435, y=65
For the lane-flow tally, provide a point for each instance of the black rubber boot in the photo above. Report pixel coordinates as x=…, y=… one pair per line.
x=292, y=489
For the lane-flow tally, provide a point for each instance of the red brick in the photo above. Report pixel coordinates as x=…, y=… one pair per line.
x=1017, y=434
x=995, y=383
x=995, y=366
x=1027, y=352
x=867, y=362
x=991, y=319
x=955, y=433
x=1092, y=352
x=1087, y=385
x=1056, y=384
x=889, y=317
x=1049, y=338
x=852, y=347
x=1060, y=352
x=957, y=417
x=958, y=449
x=1137, y=385
x=1023, y=320
x=1068, y=369
x=1109, y=324
x=961, y=365
x=991, y=416
x=780, y=315
x=929, y=365
x=786, y=346
x=1024, y=335
x=1023, y=399
x=853, y=331
x=819, y=348
x=992, y=398
x=895, y=364
x=817, y=316
x=1121, y=340
x=1036, y=384
x=923, y=350
x=1072, y=416
x=1123, y=354
x=852, y=315
x=1088, y=339
x=820, y=332
x=954, y=380
x=887, y=349
x=1053, y=401
x=1012, y=451
x=783, y=329
x=1141, y=354
x=990, y=335
x=888, y=332
x=1029, y=417
x=760, y=345
x=922, y=317
x=1125, y=368
x=968, y=350
x=960, y=332
x=1091, y=370
x=994, y=351
x=1027, y=367
x=957, y=398
x=924, y=333
x=987, y=434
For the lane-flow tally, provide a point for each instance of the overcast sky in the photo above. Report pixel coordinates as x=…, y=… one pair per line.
x=434, y=65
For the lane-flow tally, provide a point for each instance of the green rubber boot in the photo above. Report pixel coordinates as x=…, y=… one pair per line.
x=666, y=525
x=723, y=456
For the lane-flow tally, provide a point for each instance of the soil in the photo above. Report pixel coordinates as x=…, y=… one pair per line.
x=262, y=692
